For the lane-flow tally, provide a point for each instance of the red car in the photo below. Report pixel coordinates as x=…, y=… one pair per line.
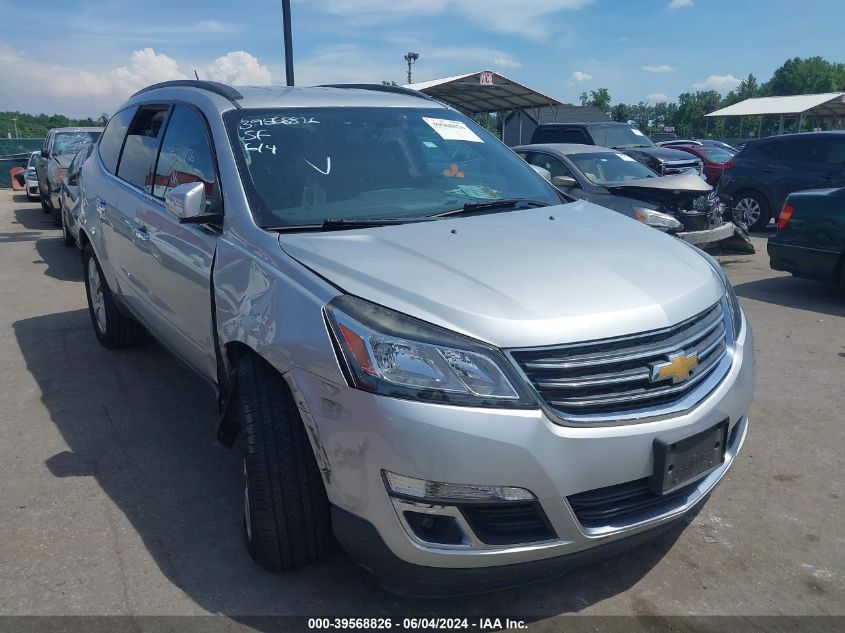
x=714, y=159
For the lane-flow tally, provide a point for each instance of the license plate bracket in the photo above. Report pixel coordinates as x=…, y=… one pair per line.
x=682, y=459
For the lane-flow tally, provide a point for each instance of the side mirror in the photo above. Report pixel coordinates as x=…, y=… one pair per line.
x=545, y=173
x=186, y=202
x=564, y=181
x=45, y=153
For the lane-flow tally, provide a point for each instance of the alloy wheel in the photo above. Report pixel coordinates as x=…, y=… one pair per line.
x=95, y=294
x=749, y=210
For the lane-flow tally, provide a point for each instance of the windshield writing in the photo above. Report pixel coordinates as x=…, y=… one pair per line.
x=301, y=167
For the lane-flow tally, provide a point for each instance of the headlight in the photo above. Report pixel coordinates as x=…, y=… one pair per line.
x=392, y=354
x=733, y=301
x=657, y=219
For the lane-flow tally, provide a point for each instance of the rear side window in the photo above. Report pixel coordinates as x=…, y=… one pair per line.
x=835, y=151
x=795, y=150
x=186, y=155
x=558, y=135
x=139, y=150
x=112, y=139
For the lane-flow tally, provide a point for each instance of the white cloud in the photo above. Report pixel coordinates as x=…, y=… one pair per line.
x=722, y=83
x=681, y=4
x=477, y=58
x=33, y=86
x=351, y=63
x=580, y=76
x=665, y=68
x=238, y=68
x=530, y=19
x=657, y=97
x=347, y=63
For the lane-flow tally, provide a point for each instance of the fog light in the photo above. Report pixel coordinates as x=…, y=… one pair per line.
x=438, y=491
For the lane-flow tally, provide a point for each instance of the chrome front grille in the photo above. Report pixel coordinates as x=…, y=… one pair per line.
x=679, y=167
x=617, y=379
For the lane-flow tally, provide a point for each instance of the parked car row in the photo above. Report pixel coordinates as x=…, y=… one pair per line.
x=389, y=281
x=761, y=176
x=631, y=171
x=682, y=205
x=60, y=147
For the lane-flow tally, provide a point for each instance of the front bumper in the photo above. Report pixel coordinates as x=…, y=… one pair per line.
x=709, y=236
x=32, y=188
x=360, y=435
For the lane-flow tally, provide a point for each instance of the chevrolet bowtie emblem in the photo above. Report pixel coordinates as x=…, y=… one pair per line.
x=678, y=368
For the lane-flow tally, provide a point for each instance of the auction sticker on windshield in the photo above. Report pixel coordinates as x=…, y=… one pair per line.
x=452, y=130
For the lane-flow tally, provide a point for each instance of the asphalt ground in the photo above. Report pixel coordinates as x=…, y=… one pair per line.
x=115, y=498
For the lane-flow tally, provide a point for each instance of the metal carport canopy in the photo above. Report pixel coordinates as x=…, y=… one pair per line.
x=483, y=91
x=831, y=104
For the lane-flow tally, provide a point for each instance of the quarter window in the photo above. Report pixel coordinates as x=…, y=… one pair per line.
x=139, y=151
x=185, y=155
x=112, y=139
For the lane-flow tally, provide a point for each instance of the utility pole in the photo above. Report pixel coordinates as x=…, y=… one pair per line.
x=15, y=119
x=288, y=42
x=411, y=58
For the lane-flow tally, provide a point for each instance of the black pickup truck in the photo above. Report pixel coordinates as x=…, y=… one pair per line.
x=622, y=137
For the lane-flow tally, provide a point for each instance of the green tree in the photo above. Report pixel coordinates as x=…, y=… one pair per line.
x=620, y=113
x=806, y=76
x=597, y=99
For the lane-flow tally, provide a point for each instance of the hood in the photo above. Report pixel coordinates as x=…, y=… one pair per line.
x=545, y=276
x=64, y=160
x=688, y=183
x=663, y=154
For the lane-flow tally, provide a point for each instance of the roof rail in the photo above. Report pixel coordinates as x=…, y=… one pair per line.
x=216, y=87
x=400, y=90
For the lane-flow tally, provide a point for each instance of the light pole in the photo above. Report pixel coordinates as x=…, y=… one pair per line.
x=288, y=42
x=15, y=119
x=411, y=58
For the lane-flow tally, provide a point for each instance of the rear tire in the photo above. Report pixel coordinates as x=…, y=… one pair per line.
x=287, y=520
x=56, y=214
x=112, y=328
x=66, y=234
x=752, y=207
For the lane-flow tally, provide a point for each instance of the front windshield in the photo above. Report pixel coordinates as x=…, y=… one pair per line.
x=604, y=167
x=716, y=154
x=72, y=142
x=303, y=166
x=619, y=136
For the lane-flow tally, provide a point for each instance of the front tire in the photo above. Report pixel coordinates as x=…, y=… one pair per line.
x=67, y=236
x=287, y=520
x=752, y=207
x=56, y=214
x=112, y=328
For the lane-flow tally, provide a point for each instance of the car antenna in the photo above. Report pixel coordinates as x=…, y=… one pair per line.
x=196, y=75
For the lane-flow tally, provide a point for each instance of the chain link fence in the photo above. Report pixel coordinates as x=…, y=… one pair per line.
x=14, y=152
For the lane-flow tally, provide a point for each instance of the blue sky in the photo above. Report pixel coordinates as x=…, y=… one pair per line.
x=98, y=53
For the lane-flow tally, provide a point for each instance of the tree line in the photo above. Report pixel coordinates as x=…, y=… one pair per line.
x=796, y=76
x=37, y=125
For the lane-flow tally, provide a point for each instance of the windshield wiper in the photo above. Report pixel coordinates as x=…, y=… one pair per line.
x=329, y=224
x=502, y=204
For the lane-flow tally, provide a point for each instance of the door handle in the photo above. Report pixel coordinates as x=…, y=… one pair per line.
x=141, y=234
x=101, y=208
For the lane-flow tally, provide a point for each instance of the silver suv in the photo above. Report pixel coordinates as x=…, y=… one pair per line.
x=431, y=355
